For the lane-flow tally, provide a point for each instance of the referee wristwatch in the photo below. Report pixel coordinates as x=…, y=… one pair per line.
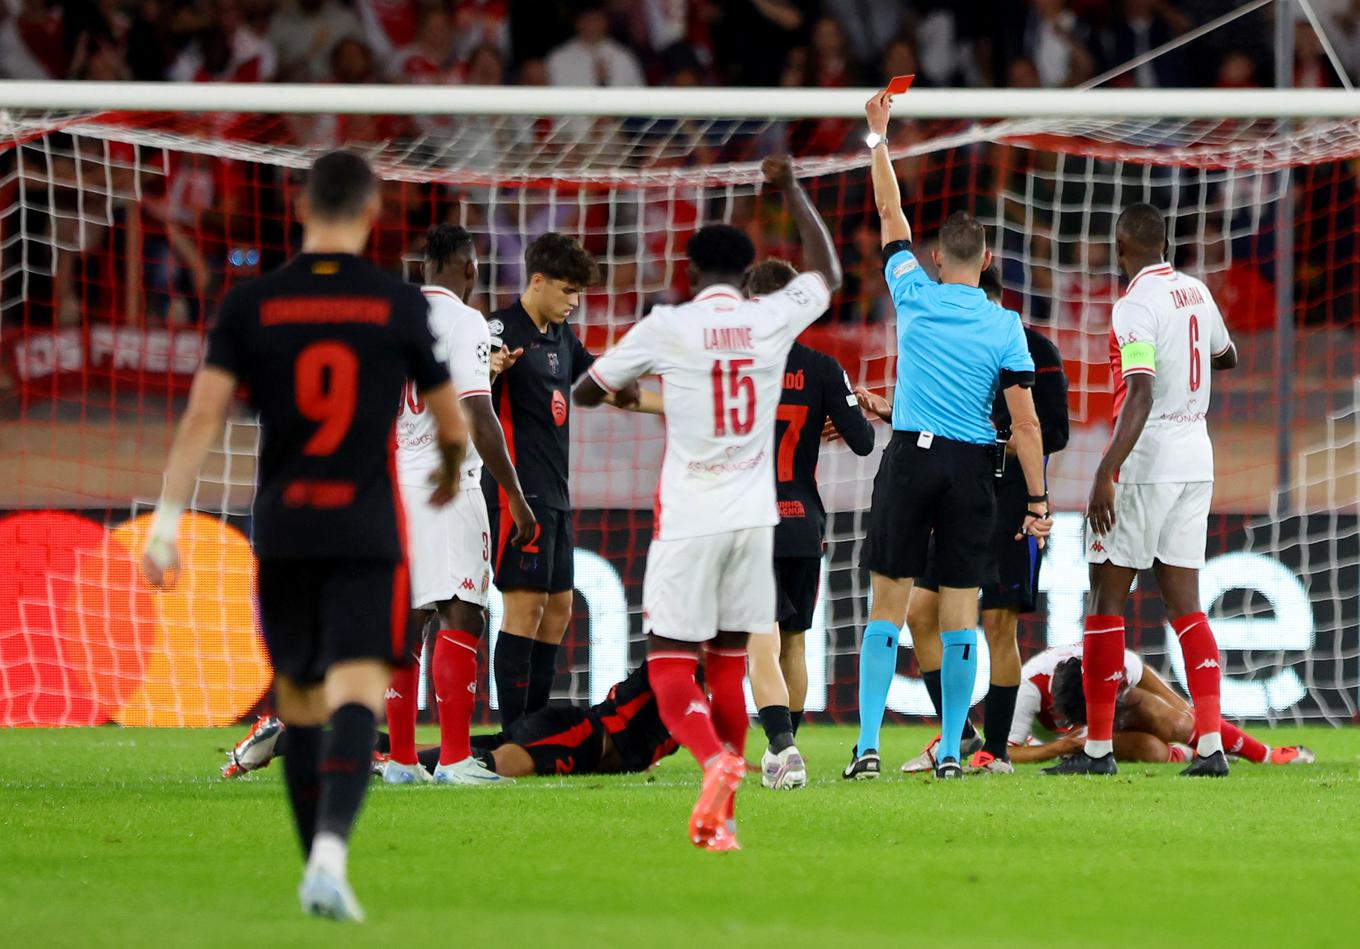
x=873, y=140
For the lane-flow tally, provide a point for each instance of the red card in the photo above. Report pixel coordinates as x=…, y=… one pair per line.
x=901, y=84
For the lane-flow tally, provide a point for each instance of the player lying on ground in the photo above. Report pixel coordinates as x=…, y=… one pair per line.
x=448, y=547
x=1012, y=588
x=324, y=347
x=1152, y=722
x=710, y=573
x=1149, y=504
x=816, y=393
x=621, y=735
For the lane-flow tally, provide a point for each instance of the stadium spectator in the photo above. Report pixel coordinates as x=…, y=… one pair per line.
x=870, y=26
x=752, y=38
x=32, y=41
x=305, y=33
x=1312, y=69
x=481, y=23
x=228, y=49
x=1236, y=71
x=592, y=57
x=390, y=25
x=1246, y=297
x=943, y=46
x=1057, y=42
x=1145, y=25
x=899, y=59
x=431, y=57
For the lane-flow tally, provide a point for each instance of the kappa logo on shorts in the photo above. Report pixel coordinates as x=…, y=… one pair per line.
x=1097, y=547
x=467, y=584
x=905, y=267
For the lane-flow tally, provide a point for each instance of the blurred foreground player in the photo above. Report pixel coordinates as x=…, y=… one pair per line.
x=710, y=573
x=1152, y=722
x=1149, y=505
x=323, y=346
x=1013, y=588
x=450, y=548
x=816, y=389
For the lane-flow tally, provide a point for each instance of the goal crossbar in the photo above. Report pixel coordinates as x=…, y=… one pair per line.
x=665, y=103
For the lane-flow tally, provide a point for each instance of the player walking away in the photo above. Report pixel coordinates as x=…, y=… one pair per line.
x=324, y=346
x=710, y=576
x=450, y=546
x=1013, y=587
x=816, y=389
x=540, y=359
x=1149, y=504
x=935, y=478
x=621, y=735
x=1152, y=722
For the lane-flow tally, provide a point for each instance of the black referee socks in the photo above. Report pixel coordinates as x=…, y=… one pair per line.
x=998, y=713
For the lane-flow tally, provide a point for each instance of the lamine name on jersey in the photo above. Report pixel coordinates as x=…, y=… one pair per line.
x=463, y=343
x=1168, y=326
x=721, y=359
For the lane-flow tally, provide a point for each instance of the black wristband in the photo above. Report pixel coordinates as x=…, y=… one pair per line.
x=1038, y=516
x=1037, y=498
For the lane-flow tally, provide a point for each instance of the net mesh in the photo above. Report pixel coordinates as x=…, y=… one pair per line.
x=119, y=232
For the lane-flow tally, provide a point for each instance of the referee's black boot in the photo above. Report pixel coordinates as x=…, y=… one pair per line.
x=1082, y=763
x=1207, y=766
x=862, y=767
x=948, y=770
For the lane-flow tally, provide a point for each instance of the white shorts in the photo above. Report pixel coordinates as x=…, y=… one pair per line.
x=449, y=547
x=1166, y=522
x=699, y=585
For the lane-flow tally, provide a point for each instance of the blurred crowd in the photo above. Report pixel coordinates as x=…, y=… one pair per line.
x=821, y=43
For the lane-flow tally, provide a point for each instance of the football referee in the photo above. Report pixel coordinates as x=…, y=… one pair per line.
x=936, y=474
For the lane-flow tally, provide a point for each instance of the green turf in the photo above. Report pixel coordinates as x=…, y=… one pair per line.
x=127, y=837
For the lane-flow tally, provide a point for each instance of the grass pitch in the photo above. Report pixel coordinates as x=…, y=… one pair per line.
x=127, y=837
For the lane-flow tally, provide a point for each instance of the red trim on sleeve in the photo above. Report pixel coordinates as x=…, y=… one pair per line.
x=600, y=382
x=471, y=392
x=1140, y=372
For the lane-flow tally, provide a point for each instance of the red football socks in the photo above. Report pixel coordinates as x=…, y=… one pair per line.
x=724, y=670
x=455, y=687
x=401, y=712
x=1102, y=672
x=684, y=709
x=1202, y=671
x=1238, y=742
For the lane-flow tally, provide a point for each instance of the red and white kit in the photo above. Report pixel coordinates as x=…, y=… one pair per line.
x=1034, y=701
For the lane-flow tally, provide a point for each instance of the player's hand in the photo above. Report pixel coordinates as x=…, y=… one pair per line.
x=778, y=171
x=873, y=404
x=630, y=396
x=1036, y=527
x=446, y=483
x=526, y=524
x=1072, y=742
x=1100, y=508
x=502, y=359
x=830, y=432
x=160, y=563
x=877, y=111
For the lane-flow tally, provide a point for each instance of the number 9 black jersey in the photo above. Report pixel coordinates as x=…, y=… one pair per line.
x=324, y=347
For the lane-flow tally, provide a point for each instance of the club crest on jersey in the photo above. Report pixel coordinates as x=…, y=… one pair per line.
x=554, y=365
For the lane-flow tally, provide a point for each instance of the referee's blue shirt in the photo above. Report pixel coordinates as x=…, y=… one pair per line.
x=953, y=344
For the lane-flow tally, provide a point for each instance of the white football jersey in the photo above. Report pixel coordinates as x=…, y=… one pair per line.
x=463, y=341
x=1034, y=701
x=721, y=362
x=1167, y=325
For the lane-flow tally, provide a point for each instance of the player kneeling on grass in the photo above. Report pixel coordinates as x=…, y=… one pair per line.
x=450, y=546
x=816, y=391
x=710, y=569
x=1152, y=723
x=621, y=735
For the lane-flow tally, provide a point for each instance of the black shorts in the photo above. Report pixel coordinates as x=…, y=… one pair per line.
x=316, y=613
x=797, y=580
x=944, y=490
x=561, y=739
x=1013, y=570
x=546, y=563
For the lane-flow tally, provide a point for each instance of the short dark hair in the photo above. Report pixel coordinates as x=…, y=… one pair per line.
x=769, y=276
x=443, y=242
x=1143, y=226
x=559, y=257
x=962, y=237
x=989, y=282
x=720, y=249
x=1069, y=695
x=339, y=185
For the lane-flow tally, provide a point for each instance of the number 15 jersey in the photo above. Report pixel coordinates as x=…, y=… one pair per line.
x=1167, y=326
x=324, y=346
x=721, y=362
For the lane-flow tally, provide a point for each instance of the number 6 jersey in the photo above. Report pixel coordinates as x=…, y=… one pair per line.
x=324, y=347
x=462, y=342
x=1167, y=326
x=721, y=362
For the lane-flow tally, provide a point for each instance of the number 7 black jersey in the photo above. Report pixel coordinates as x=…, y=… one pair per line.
x=815, y=388
x=324, y=347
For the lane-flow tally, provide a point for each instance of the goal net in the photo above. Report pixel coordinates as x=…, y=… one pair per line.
x=121, y=230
